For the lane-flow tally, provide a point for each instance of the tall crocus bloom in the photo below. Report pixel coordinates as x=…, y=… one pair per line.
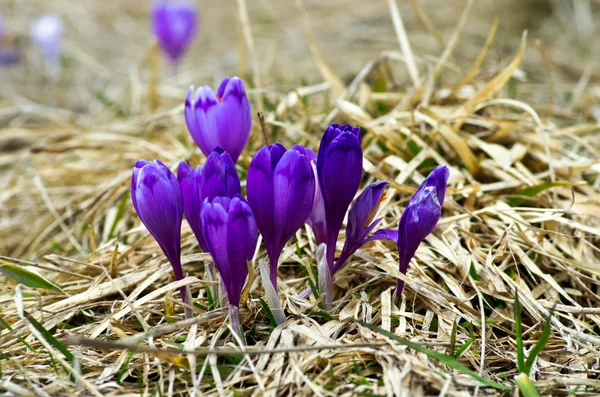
x=174, y=23
x=361, y=222
x=281, y=191
x=216, y=177
x=47, y=35
x=222, y=120
x=158, y=201
x=231, y=236
x=339, y=170
x=420, y=217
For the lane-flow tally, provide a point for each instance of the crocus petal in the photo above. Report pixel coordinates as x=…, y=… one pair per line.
x=190, y=181
x=317, y=219
x=420, y=217
x=259, y=188
x=214, y=227
x=294, y=184
x=174, y=24
x=340, y=150
x=231, y=235
x=384, y=234
x=200, y=117
x=234, y=119
x=219, y=176
x=223, y=120
x=157, y=199
x=360, y=216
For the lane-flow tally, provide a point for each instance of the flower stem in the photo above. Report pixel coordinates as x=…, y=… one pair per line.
x=186, y=297
x=271, y=293
x=399, y=288
x=234, y=318
x=273, y=264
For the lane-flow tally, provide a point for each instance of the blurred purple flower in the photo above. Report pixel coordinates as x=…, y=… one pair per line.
x=361, y=223
x=47, y=35
x=2, y=29
x=222, y=120
x=9, y=55
x=158, y=201
x=339, y=171
x=420, y=217
x=174, y=24
x=216, y=177
x=231, y=236
x=281, y=191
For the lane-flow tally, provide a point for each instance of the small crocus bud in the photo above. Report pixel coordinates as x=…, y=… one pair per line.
x=339, y=169
x=158, y=201
x=47, y=35
x=281, y=191
x=361, y=222
x=420, y=217
x=223, y=120
x=174, y=23
x=231, y=236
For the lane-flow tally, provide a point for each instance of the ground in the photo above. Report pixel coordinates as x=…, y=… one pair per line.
x=513, y=115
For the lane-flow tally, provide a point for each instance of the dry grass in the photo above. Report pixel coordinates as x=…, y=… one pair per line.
x=522, y=213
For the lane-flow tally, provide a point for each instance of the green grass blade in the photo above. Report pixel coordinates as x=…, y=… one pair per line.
x=9, y=328
x=442, y=358
x=26, y=277
x=53, y=341
x=519, y=334
x=270, y=314
x=539, y=346
x=463, y=347
x=453, y=338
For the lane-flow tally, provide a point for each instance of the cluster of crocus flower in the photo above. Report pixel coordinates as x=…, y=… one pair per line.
x=286, y=188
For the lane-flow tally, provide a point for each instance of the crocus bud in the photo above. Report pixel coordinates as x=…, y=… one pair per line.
x=281, y=191
x=217, y=177
x=361, y=222
x=339, y=169
x=47, y=35
x=158, y=201
x=231, y=236
x=222, y=120
x=174, y=23
x=420, y=217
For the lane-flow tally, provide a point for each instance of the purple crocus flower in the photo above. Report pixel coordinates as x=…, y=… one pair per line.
x=339, y=170
x=361, y=223
x=47, y=35
x=216, y=177
x=281, y=191
x=174, y=24
x=222, y=120
x=420, y=217
x=158, y=201
x=231, y=236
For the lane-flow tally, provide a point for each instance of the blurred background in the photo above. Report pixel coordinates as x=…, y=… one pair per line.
x=107, y=43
